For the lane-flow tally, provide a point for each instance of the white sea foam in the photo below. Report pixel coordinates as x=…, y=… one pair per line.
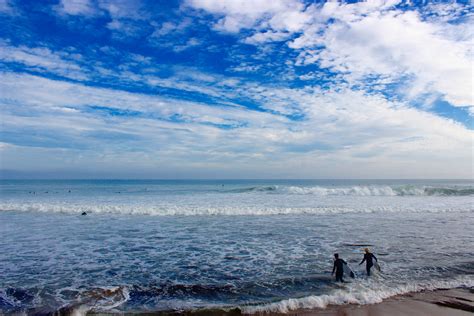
x=359, y=293
x=353, y=191
x=226, y=210
x=101, y=299
x=384, y=190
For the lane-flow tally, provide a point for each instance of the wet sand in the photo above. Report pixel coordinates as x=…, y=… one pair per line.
x=427, y=303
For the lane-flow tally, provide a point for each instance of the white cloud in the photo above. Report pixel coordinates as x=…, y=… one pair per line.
x=127, y=18
x=124, y=15
x=267, y=36
x=192, y=42
x=5, y=6
x=43, y=58
x=123, y=9
x=34, y=91
x=77, y=7
x=239, y=14
x=167, y=27
x=125, y=29
x=340, y=129
x=365, y=39
x=393, y=44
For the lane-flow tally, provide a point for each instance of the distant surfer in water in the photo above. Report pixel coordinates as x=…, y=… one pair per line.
x=338, y=267
x=368, y=256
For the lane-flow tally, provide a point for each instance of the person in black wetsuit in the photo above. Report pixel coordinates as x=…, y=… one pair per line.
x=338, y=267
x=368, y=256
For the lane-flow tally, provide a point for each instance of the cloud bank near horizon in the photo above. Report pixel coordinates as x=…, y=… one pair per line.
x=236, y=89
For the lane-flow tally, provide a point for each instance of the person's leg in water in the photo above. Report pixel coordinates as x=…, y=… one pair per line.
x=368, y=269
x=339, y=278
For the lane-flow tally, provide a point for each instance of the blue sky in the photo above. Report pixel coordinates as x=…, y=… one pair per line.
x=236, y=89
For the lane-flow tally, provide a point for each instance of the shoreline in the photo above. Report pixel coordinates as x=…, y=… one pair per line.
x=440, y=302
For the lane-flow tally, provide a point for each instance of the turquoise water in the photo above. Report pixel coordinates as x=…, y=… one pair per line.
x=186, y=245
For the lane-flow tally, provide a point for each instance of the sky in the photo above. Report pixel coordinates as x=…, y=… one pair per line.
x=236, y=89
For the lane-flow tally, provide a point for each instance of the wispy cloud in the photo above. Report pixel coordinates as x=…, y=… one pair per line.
x=77, y=7
x=364, y=39
x=334, y=126
x=371, y=44
x=6, y=7
x=43, y=59
x=236, y=15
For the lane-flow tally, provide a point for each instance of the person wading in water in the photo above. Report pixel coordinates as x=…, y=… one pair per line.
x=338, y=267
x=368, y=258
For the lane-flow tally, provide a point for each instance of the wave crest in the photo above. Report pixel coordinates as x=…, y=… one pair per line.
x=361, y=190
x=361, y=294
x=183, y=210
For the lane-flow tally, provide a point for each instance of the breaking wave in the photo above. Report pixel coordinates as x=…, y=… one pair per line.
x=361, y=294
x=183, y=210
x=361, y=190
x=269, y=188
x=110, y=299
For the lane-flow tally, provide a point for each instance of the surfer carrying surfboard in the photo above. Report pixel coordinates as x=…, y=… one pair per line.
x=368, y=258
x=338, y=267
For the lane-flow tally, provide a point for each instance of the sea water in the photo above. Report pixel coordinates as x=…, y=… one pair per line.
x=148, y=246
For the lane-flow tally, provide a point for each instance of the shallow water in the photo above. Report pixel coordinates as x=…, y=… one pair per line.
x=254, y=245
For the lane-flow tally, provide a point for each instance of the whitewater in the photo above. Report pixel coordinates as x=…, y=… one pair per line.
x=255, y=245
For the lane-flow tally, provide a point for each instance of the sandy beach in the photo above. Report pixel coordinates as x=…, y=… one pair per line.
x=427, y=303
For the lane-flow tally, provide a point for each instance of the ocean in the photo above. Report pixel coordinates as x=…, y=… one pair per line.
x=254, y=245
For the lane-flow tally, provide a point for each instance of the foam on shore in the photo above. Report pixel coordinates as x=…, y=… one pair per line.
x=360, y=294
